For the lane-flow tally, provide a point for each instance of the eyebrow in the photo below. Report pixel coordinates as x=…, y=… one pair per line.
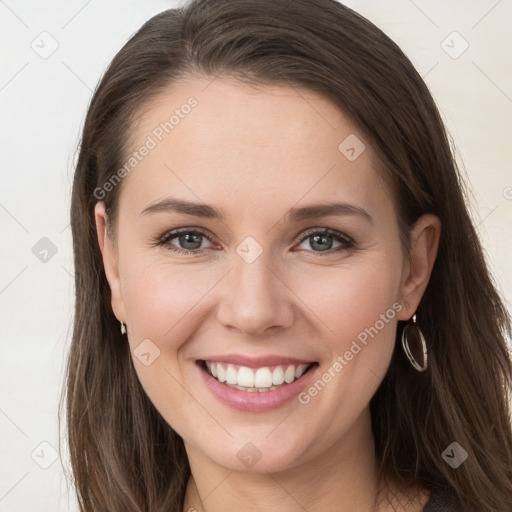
x=174, y=205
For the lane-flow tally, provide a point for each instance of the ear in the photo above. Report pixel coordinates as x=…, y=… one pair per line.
x=424, y=243
x=110, y=261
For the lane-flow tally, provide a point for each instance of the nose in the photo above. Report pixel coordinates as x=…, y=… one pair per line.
x=255, y=298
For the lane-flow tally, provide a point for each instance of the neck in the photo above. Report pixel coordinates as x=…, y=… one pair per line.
x=342, y=478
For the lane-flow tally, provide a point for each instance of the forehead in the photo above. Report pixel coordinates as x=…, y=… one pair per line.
x=223, y=141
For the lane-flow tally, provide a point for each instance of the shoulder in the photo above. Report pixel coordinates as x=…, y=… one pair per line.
x=442, y=500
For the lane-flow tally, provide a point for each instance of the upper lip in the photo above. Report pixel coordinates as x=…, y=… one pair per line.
x=256, y=362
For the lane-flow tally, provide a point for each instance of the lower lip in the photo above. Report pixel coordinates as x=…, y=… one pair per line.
x=255, y=401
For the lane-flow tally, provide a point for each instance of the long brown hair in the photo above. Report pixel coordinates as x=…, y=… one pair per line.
x=124, y=455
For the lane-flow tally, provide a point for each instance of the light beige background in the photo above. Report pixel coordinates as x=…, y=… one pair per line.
x=43, y=103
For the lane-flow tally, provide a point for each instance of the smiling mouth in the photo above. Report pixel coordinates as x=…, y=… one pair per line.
x=263, y=379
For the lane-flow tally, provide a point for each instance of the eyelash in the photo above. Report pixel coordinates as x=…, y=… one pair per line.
x=163, y=240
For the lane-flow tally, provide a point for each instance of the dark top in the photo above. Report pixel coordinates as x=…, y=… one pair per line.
x=442, y=501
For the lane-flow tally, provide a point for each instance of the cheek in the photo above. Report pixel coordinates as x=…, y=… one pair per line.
x=355, y=302
x=161, y=298
x=358, y=309
x=163, y=305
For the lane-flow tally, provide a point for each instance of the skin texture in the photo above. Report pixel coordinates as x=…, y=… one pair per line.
x=255, y=153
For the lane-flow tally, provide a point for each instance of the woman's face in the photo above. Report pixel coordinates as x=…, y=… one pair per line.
x=261, y=288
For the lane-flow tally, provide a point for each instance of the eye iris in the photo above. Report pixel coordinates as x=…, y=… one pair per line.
x=323, y=238
x=190, y=238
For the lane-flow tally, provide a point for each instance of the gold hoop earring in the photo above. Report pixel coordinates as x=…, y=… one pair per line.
x=123, y=328
x=412, y=330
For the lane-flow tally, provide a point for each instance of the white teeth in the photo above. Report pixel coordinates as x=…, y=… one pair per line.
x=289, y=374
x=300, y=370
x=245, y=377
x=261, y=379
x=278, y=376
x=231, y=375
x=221, y=374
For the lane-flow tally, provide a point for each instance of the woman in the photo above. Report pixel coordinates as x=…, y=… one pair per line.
x=281, y=301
